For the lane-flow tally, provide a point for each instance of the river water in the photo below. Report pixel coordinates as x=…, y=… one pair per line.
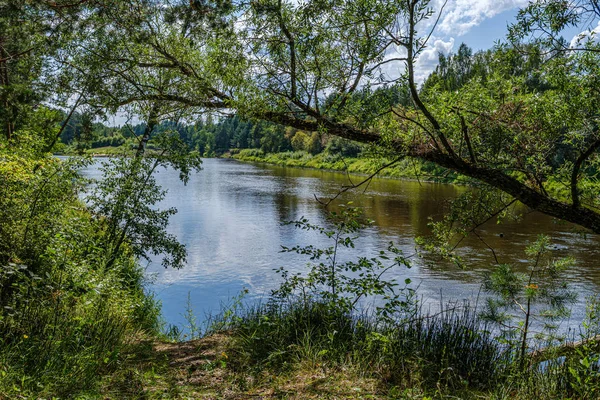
x=230, y=218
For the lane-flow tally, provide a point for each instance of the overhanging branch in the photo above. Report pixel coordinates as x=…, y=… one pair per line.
x=577, y=167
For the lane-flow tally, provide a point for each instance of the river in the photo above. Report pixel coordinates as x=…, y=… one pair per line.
x=230, y=218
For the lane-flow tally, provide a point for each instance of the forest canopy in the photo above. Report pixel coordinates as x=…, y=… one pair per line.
x=521, y=119
x=334, y=79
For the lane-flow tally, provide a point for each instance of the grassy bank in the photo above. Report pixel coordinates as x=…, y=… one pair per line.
x=201, y=369
x=68, y=316
x=404, y=169
x=312, y=326
x=308, y=350
x=107, y=151
x=76, y=321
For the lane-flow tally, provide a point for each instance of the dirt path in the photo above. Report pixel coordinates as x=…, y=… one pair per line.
x=199, y=369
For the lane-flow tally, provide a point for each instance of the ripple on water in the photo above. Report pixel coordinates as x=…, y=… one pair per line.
x=230, y=218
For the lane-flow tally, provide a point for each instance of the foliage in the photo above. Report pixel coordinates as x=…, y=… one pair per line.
x=513, y=118
x=126, y=196
x=342, y=284
x=64, y=320
x=72, y=291
x=533, y=300
x=343, y=147
x=125, y=199
x=316, y=318
x=313, y=319
x=465, y=215
x=32, y=33
x=522, y=119
x=32, y=204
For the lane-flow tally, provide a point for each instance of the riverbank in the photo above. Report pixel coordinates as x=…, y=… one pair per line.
x=68, y=307
x=200, y=369
x=107, y=151
x=287, y=350
x=256, y=358
x=403, y=169
x=406, y=169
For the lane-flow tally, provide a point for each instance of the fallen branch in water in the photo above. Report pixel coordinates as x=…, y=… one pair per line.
x=553, y=352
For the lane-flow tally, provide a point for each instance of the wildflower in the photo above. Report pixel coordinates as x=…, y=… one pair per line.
x=224, y=355
x=25, y=337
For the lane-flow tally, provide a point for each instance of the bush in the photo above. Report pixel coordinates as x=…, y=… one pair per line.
x=64, y=319
x=314, y=319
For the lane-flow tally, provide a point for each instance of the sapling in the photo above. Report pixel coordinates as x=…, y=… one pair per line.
x=342, y=284
x=522, y=300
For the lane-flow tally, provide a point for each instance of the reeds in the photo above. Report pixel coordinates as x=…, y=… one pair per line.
x=452, y=352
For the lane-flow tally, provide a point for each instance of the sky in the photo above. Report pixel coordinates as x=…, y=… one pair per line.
x=477, y=23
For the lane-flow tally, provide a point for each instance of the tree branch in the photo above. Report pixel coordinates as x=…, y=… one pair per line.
x=64, y=124
x=577, y=167
x=213, y=104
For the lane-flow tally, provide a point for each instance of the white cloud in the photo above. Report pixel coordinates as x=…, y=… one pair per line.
x=425, y=64
x=429, y=58
x=459, y=16
x=587, y=36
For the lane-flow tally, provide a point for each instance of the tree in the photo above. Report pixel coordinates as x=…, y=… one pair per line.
x=300, y=65
x=498, y=132
x=342, y=285
x=33, y=36
x=126, y=199
x=543, y=21
x=520, y=300
x=316, y=66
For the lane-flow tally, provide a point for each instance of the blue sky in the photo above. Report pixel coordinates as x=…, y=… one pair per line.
x=478, y=23
x=486, y=34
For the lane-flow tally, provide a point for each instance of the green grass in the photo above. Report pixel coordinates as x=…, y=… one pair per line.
x=451, y=351
x=60, y=335
x=305, y=350
x=404, y=169
x=108, y=151
x=451, y=354
x=65, y=318
x=201, y=369
x=72, y=328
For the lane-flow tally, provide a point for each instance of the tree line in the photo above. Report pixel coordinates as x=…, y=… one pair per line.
x=521, y=120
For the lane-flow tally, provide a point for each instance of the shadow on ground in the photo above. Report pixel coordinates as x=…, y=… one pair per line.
x=198, y=370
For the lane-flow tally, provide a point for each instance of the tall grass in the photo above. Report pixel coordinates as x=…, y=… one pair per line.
x=449, y=353
x=314, y=318
x=362, y=164
x=57, y=339
x=64, y=318
x=452, y=349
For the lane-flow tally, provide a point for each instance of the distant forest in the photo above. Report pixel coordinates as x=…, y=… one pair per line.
x=214, y=136
x=210, y=137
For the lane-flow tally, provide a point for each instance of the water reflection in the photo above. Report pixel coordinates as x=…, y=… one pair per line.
x=230, y=217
